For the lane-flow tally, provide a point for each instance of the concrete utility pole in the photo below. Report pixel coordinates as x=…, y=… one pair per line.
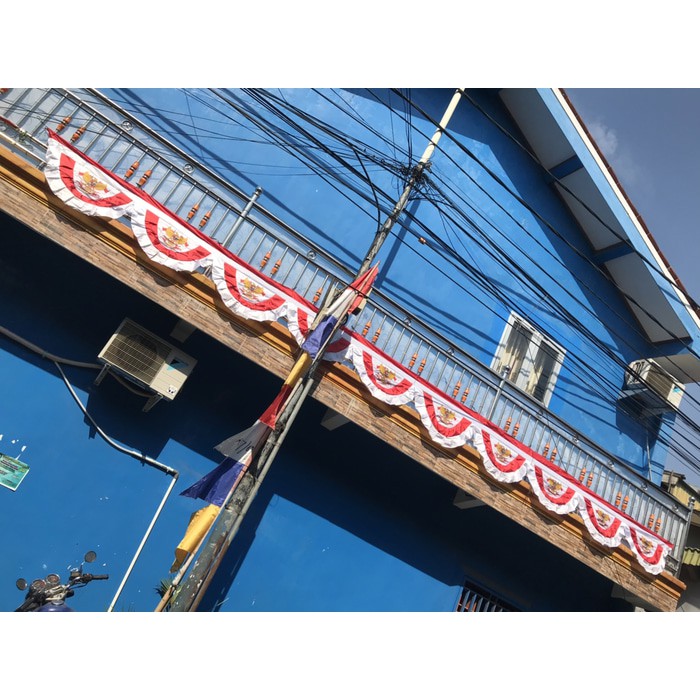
x=194, y=586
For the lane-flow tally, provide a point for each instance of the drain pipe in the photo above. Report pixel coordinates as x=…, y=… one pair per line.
x=143, y=459
x=140, y=547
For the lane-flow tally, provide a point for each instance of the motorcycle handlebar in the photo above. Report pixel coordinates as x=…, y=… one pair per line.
x=95, y=577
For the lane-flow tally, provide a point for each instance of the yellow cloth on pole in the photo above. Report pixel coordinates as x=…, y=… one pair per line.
x=200, y=522
x=300, y=366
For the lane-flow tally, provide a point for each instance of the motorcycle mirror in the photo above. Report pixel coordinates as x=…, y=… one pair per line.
x=90, y=556
x=22, y=584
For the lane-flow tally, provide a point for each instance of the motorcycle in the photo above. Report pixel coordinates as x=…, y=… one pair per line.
x=49, y=594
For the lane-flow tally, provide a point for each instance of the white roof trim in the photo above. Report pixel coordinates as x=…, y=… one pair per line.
x=663, y=266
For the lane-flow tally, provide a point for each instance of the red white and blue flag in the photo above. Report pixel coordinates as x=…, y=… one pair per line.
x=351, y=300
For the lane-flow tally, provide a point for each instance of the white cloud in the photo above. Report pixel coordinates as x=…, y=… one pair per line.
x=605, y=138
x=623, y=164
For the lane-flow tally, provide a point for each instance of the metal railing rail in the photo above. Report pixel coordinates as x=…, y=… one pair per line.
x=125, y=146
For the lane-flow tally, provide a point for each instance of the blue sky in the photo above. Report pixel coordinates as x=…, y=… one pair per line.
x=651, y=139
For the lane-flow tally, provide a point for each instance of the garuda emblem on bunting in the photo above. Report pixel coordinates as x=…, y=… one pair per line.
x=169, y=242
x=501, y=459
x=651, y=552
x=381, y=376
x=82, y=184
x=246, y=293
x=554, y=492
x=446, y=424
x=605, y=526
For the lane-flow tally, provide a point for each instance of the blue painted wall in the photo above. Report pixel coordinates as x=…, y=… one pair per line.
x=534, y=255
x=363, y=530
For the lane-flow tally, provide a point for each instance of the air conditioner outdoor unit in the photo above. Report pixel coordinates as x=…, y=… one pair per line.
x=147, y=360
x=653, y=386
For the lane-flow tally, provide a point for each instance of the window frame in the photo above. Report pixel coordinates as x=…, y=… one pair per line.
x=537, y=339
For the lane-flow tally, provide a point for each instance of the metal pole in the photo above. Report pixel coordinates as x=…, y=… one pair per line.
x=416, y=175
x=225, y=529
x=226, y=526
x=267, y=456
x=242, y=217
x=140, y=547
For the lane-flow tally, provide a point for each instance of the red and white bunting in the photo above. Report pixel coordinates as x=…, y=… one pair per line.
x=83, y=184
x=169, y=242
x=651, y=553
x=553, y=491
x=340, y=348
x=381, y=375
x=603, y=523
x=299, y=320
x=502, y=460
x=446, y=424
x=246, y=293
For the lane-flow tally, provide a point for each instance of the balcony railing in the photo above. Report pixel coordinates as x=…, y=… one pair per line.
x=130, y=149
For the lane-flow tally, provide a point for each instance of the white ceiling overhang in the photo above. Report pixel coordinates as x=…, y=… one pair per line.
x=619, y=240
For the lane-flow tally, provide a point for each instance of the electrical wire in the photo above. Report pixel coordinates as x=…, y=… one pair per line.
x=622, y=365
x=343, y=164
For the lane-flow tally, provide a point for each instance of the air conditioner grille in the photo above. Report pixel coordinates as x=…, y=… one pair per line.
x=652, y=385
x=661, y=383
x=140, y=355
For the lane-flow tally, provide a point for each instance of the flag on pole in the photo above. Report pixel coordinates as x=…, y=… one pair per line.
x=351, y=300
x=214, y=487
x=200, y=522
x=240, y=449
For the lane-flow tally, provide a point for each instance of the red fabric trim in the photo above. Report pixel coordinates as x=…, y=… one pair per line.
x=303, y=321
x=558, y=500
x=273, y=302
x=269, y=418
x=512, y=466
x=565, y=476
x=140, y=194
x=66, y=168
x=456, y=429
x=654, y=558
x=610, y=531
x=151, y=225
x=395, y=390
x=338, y=345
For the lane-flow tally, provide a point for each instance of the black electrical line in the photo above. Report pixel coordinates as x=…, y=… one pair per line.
x=343, y=164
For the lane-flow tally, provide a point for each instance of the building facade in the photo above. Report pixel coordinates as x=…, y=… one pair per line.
x=491, y=428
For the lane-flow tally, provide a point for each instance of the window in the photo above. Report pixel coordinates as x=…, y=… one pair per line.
x=476, y=599
x=528, y=359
